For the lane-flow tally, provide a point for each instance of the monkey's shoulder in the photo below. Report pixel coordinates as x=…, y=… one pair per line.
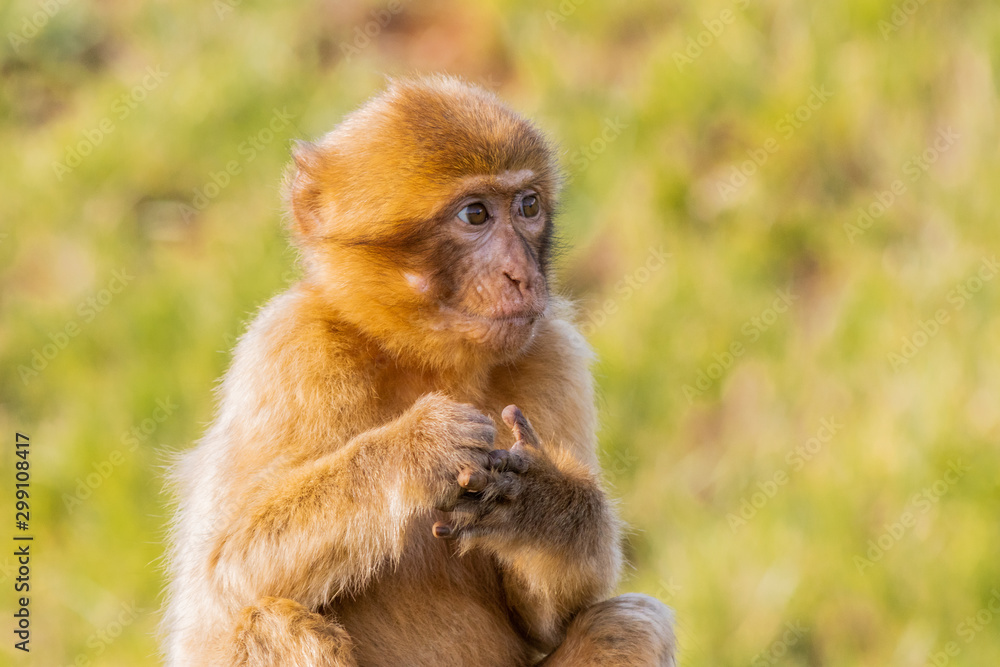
x=297, y=358
x=297, y=332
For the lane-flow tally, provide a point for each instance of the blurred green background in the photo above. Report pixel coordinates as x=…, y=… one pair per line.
x=781, y=228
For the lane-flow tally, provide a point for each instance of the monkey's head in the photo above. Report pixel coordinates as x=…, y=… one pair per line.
x=426, y=217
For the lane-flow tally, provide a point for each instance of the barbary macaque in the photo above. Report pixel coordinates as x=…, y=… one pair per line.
x=403, y=468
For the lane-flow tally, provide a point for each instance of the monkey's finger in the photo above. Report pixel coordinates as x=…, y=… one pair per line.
x=480, y=436
x=518, y=461
x=521, y=427
x=499, y=460
x=448, y=503
x=488, y=434
x=507, y=486
x=479, y=418
x=503, y=460
x=443, y=531
x=473, y=480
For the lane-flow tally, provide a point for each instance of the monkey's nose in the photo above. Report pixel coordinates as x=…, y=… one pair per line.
x=522, y=285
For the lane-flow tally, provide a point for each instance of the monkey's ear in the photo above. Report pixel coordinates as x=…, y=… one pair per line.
x=305, y=154
x=303, y=193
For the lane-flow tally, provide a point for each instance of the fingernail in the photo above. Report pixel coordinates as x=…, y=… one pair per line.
x=511, y=415
x=475, y=480
x=442, y=530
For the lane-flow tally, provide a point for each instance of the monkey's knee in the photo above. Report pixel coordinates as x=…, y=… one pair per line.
x=630, y=630
x=277, y=632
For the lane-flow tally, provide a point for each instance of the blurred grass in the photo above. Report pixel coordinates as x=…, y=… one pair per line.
x=685, y=463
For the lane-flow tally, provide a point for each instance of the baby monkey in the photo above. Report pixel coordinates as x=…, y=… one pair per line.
x=353, y=503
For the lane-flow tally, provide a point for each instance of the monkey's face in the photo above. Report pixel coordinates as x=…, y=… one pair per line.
x=489, y=285
x=426, y=218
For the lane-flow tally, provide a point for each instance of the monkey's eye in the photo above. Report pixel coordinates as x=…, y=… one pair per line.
x=529, y=206
x=474, y=214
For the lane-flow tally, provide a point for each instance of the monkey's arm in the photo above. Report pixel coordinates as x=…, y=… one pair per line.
x=570, y=555
x=551, y=527
x=325, y=527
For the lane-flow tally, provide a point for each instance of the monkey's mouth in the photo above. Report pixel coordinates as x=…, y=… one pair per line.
x=485, y=327
x=517, y=320
x=522, y=318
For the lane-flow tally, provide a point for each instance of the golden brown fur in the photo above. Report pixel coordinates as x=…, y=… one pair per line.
x=345, y=507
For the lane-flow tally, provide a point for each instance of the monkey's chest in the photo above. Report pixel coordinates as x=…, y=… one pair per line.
x=436, y=608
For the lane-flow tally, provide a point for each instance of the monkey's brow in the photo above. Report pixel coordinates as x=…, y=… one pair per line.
x=486, y=189
x=503, y=182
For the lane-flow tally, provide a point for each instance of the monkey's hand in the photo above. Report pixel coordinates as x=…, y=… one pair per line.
x=543, y=515
x=488, y=503
x=450, y=452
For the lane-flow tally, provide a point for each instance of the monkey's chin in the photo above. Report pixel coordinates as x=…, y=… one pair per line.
x=504, y=337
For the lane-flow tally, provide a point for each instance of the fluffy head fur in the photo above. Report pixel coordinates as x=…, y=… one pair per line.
x=373, y=198
x=390, y=166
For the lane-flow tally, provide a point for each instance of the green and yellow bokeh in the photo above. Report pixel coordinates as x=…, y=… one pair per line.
x=780, y=225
